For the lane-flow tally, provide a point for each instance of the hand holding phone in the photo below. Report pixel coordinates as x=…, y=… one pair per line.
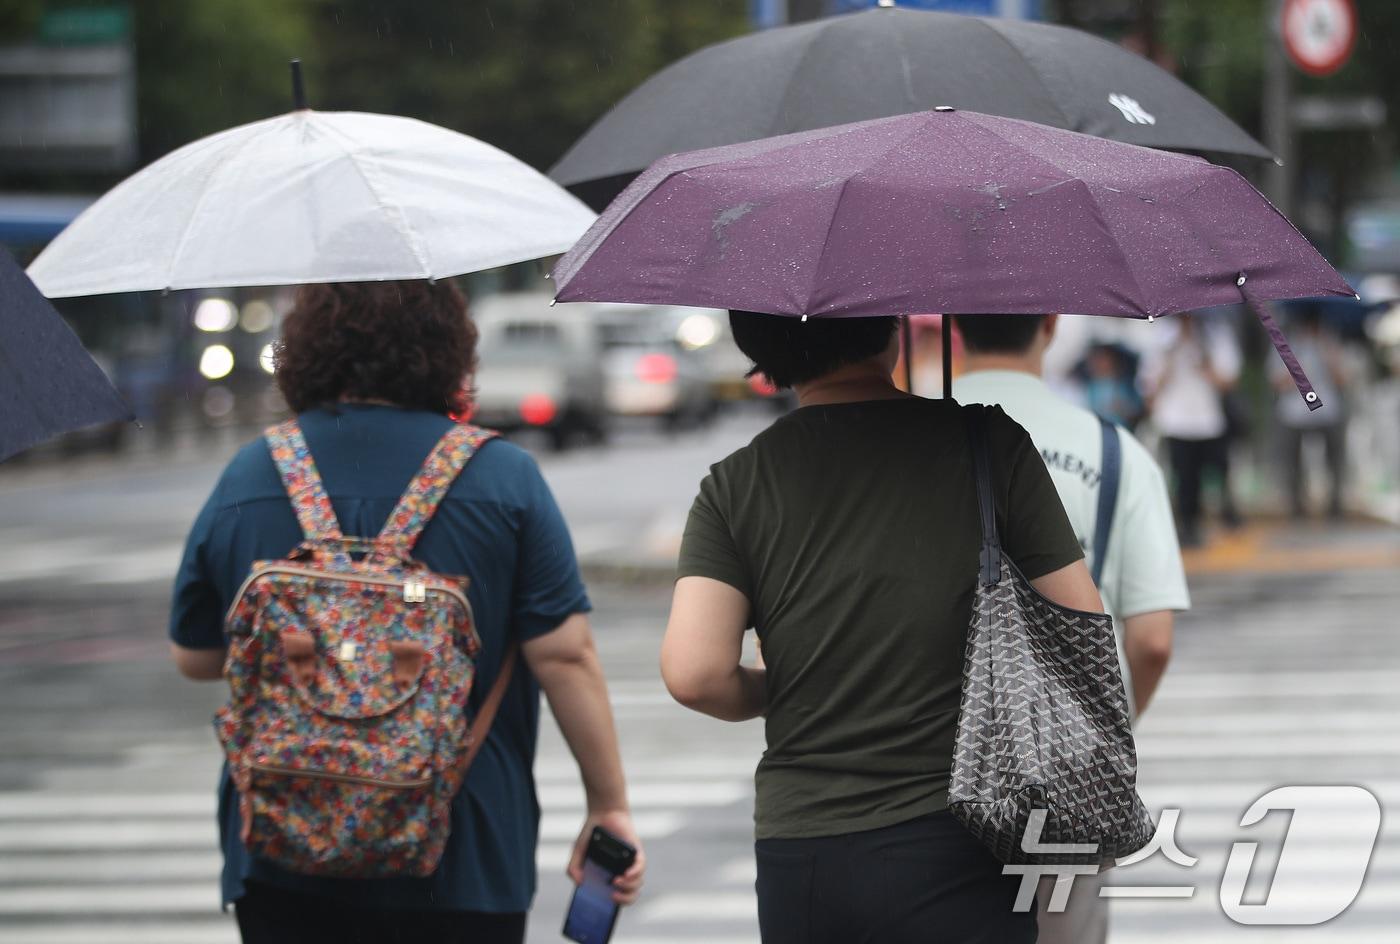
x=593, y=912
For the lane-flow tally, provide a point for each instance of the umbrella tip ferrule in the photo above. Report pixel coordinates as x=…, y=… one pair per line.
x=298, y=88
x=1241, y=280
x=944, y=108
x=554, y=301
x=1151, y=319
x=804, y=319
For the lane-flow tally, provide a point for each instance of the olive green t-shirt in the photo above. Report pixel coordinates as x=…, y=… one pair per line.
x=852, y=529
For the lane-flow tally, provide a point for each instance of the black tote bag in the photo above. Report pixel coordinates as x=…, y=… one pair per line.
x=1044, y=721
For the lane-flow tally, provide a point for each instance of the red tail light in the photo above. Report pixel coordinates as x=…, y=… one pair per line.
x=656, y=368
x=538, y=410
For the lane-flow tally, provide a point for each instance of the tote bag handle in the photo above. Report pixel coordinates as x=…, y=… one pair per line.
x=990, y=559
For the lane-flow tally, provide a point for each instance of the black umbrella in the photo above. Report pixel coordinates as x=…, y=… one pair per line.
x=49, y=384
x=885, y=62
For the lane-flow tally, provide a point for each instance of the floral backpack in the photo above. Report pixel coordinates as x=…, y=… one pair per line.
x=350, y=664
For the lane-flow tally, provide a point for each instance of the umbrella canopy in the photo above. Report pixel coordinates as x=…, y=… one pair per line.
x=49, y=384
x=885, y=62
x=947, y=211
x=313, y=197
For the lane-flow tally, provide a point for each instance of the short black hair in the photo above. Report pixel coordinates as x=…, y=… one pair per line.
x=790, y=351
x=998, y=334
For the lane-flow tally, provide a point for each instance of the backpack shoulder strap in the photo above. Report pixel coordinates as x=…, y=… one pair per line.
x=440, y=469
x=302, y=481
x=481, y=724
x=990, y=557
x=1110, y=474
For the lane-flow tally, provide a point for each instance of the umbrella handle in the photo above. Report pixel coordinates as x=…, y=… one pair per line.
x=1280, y=343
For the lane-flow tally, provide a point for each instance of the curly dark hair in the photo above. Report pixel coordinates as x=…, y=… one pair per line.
x=790, y=351
x=410, y=343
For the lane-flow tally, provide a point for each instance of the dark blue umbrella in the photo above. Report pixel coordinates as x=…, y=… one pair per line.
x=49, y=383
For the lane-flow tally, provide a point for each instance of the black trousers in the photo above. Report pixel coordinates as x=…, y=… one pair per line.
x=1190, y=459
x=1334, y=447
x=271, y=915
x=927, y=881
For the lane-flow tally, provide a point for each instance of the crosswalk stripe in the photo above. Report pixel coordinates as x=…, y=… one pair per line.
x=1239, y=686
x=218, y=930
x=202, y=834
x=120, y=834
x=1235, y=794
x=1209, y=724
x=127, y=867
x=553, y=796
x=699, y=906
x=1237, y=745
x=166, y=898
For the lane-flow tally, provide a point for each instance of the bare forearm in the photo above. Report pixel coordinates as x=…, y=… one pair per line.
x=741, y=695
x=1147, y=644
x=578, y=697
x=201, y=665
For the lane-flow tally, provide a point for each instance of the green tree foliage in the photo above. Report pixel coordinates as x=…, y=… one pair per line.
x=206, y=65
x=18, y=19
x=526, y=75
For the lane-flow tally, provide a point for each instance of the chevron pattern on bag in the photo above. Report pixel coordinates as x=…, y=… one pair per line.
x=1044, y=724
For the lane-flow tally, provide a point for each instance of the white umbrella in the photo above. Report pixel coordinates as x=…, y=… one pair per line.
x=313, y=197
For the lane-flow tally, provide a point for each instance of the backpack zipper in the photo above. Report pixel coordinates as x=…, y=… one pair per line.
x=341, y=778
x=415, y=588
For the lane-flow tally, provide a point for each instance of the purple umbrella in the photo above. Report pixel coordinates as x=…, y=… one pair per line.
x=947, y=211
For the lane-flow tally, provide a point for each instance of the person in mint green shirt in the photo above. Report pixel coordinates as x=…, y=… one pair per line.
x=1142, y=583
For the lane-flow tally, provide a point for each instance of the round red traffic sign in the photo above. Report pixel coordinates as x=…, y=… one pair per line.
x=1319, y=34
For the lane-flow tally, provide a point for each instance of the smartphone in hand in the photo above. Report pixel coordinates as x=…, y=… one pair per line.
x=593, y=913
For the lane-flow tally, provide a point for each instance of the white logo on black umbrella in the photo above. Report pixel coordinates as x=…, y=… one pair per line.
x=1131, y=110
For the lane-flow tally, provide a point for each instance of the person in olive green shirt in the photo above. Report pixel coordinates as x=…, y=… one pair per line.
x=847, y=535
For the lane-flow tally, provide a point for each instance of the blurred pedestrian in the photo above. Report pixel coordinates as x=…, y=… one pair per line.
x=372, y=371
x=1187, y=380
x=1110, y=385
x=1320, y=352
x=1140, y=577
x=847, y=535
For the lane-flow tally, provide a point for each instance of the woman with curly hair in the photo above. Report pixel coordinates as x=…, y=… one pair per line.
x=372, y=371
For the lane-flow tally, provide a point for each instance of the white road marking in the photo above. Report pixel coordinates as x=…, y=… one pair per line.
x=220, y=930
x=700, y=906
x=166, y=898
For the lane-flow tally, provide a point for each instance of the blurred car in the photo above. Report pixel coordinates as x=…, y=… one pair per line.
x=650, y=371
x=707, y=331
x=539, y=367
